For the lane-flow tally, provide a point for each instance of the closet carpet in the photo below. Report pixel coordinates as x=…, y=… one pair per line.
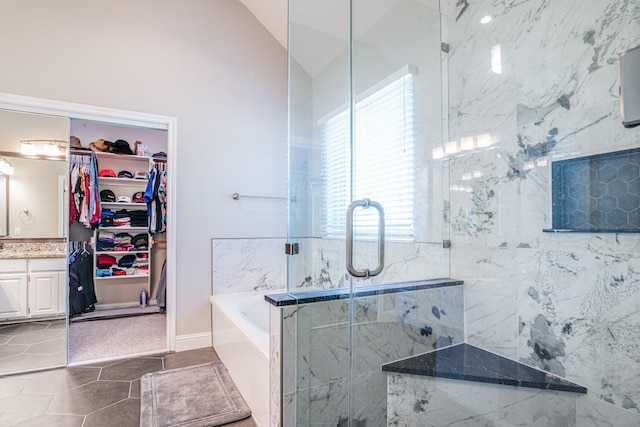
x=109, y=338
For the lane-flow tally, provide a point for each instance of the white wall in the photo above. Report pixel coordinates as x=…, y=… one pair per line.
x=208, y=63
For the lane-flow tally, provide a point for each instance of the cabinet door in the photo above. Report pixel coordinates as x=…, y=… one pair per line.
x=44, y=293
x=13, y=295
x=63, y=285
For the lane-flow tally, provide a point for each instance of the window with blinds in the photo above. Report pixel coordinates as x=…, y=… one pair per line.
x=384, y=160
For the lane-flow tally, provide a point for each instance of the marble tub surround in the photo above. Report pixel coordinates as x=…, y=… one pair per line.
x=20, y=250
x=565, y=303
x=248, y=265
x=469, y=363
x=316, y=340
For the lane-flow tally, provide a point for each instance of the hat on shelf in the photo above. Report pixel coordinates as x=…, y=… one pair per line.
x=126, y=261
x=160, y=155
x=99, y=146
x=107, y=172
x=107, y=196
x=138, y=197
x=119, y=147
x=124, y=199
x=125, y=174
x=74, y=142
x=140, y=174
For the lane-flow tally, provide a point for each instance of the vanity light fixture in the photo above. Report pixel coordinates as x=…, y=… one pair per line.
x=438, y=153
x=5, y=167
x=451, y=147
x=44, y=147
x=28, y=149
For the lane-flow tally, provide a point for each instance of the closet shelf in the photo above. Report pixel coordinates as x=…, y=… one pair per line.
x=142, y=251
x=128, y=276
x=123, y=181
x=123, y=228
x=143, y=206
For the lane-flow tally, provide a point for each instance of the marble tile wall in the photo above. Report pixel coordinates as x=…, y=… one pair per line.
x=316, y=341
x=248, y=265
x=566, y=303
x=322, y=263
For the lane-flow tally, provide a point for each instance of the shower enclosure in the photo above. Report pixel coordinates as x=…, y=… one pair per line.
x=458, y=173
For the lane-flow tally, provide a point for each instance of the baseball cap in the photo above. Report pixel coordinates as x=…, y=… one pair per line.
x=107, y=172
x=140, y=174
x=138, y=197
x=107, y=196
x=124, y=199
x=125, y=174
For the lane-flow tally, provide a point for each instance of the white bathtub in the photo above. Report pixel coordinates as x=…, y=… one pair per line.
x=240, y=325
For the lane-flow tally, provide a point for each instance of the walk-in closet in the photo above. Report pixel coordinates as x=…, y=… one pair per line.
x=117, y=240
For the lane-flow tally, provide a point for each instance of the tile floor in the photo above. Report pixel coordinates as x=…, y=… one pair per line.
x=33, y=345
x=102, y=394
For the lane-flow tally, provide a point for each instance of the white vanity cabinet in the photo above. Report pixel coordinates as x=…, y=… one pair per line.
x=13, y=288
x=33, y=287
x=47, y=280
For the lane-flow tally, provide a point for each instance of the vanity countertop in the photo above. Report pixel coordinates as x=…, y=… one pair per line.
x=32, y=250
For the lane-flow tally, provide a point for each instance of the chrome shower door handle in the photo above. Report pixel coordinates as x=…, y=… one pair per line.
x=366, y=204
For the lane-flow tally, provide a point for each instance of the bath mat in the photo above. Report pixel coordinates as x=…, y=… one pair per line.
x=196, y=396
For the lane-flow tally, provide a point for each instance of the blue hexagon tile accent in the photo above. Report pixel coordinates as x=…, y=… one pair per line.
x=599, y=193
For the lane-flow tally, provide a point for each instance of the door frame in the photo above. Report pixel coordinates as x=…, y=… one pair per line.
x=115, y=116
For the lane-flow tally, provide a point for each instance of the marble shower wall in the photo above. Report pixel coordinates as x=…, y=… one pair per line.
x=248, y=265
x=321, y=263
x=566, y=303
x=315, y=339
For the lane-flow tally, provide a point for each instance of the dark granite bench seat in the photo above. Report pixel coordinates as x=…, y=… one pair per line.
x=469, y=363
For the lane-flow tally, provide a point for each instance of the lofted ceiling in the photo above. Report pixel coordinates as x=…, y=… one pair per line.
x=320, y=28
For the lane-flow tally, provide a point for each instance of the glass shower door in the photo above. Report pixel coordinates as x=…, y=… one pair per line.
x=368, y=199
x=397, y=122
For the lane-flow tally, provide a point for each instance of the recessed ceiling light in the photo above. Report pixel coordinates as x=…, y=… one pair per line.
x=486, y=19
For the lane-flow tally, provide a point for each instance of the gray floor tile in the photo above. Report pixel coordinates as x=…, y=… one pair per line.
x=10, y=386
x=21, y=407
x=131, y=369
x=247, y=422
x=22, y=362
x=39, y=336
x=58, y=325
x=58, y=345
x=190, y=358
x=12, y=349
x=135, y=389
x=122, y=414
x=22, y=328
x=56, y=380
x=5, y=339
x=89, y=398
x=53, y=421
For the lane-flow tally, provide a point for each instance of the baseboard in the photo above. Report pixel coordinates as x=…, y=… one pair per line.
x=193, y=341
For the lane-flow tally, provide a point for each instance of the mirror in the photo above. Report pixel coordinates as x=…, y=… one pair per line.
x=33, y=202
x=4, y=205
x=33, y=255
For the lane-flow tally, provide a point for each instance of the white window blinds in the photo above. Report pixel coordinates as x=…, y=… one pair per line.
x=384, y=160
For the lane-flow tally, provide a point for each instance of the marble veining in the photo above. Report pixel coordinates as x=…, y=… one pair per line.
x=470, y=363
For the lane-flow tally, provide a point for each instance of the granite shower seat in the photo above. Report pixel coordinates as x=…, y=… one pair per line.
x=469, y=363
x=465, y=385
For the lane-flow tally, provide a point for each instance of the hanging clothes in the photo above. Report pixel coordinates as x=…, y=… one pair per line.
x=155, y=196
x=84, y=196
x=82, y=294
